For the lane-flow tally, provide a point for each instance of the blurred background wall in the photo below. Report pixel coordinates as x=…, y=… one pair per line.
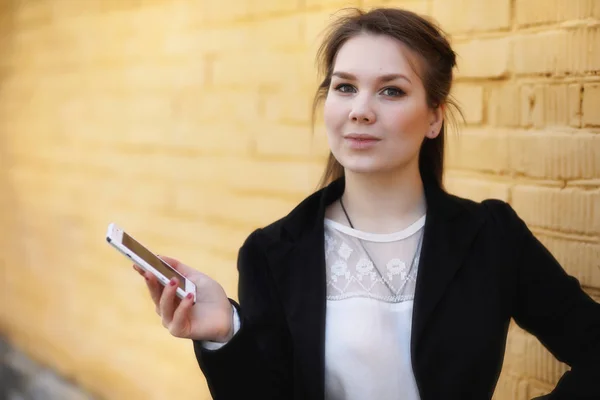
x=187, y=122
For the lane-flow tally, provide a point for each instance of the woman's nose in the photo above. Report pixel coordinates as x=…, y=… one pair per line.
x=362, y=112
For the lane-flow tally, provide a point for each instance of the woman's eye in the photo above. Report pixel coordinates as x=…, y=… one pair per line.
x=345, y=88
x=393, y=92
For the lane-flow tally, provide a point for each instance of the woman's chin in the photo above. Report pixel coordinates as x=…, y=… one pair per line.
x=359, y=168
x=372, y=167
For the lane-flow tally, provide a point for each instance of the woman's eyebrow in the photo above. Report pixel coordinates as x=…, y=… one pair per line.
x=382, y=78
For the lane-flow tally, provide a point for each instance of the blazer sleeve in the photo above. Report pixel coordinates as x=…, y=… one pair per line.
x=256, y=362
x=551, y=305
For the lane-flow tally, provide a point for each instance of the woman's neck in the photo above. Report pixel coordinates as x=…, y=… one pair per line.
x=383, y=203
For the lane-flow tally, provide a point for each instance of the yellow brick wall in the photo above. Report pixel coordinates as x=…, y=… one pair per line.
x=187, y=122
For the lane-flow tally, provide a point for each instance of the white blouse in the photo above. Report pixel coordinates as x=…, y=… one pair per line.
x=370, y=290
x=369, y=311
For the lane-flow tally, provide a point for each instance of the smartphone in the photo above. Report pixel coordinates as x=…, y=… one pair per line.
x=148, y=261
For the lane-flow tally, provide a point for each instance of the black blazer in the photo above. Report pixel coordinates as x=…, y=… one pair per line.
x=480, y=266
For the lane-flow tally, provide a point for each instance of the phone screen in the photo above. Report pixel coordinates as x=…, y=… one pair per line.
x=152, y=259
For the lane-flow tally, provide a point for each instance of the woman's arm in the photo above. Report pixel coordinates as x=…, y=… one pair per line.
x=256, y=362
x=551, y=305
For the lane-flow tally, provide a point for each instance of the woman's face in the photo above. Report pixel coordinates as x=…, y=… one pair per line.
x=376, y=114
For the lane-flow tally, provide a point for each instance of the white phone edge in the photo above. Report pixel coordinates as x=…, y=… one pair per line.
x=114, y=236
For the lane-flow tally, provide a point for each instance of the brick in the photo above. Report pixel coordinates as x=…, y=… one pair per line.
x=567, y=210
x=289, y=177
x=149, y=76
x=540, y=364
x=120, y=43
x=579, y=259
x=32, y=14
x=538, y=53
x=217, y=208
x=528, y=105
x=574, y=105
x=233, y=105
x=206, y=229
x=527, y=358
x=550, y=105
x=279, y=33
x=591, y=104
x=316, y=4
x=238, y=173
x=554, y=155
x=503, y=106
x=255, y=68
x=226, y=38
x=483, y=58
x=127, y=36
x=476, y=189
x=512, y=384
x=516, y=351
x=215, y=13
x=196, y=43
x=593, y=37
x=63, y=189
x=535, y=12
x=316, y=25
x=165, y=17
x=474, y=15
x=478, y=150
x=556, y=106
x=510, y=387
x=283, y=140
x=417, y=6
x=557, y=52
x=537, y=389
x=260, y=8
x=470, y=99
x=296, y=109
x=319, y=142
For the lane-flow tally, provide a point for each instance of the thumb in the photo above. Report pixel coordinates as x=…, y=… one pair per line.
x=178, y=266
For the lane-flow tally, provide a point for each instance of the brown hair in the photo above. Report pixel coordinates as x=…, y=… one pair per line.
x=420, y=35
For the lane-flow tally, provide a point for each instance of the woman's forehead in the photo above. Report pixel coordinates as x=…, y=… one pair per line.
x=368, y=54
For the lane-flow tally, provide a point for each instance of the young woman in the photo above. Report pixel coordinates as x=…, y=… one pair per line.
x=381, y=285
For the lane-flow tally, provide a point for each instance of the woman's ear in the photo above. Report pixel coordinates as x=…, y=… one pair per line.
x=436, y=119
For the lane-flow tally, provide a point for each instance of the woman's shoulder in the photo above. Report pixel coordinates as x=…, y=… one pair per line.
x=302, y=218
x=499, y=216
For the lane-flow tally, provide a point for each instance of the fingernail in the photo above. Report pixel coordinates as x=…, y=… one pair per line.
x=173, y=282
x=189, y=296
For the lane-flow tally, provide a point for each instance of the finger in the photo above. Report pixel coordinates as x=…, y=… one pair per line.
x=155, y=288
x=178, y=266
x=181, y=317
x=139, y=270
x=167, y=301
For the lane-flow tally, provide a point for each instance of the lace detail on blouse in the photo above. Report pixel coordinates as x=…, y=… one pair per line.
x=390, y=276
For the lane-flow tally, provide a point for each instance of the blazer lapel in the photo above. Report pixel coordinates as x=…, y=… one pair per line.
x=450, y=229
x=300, y=276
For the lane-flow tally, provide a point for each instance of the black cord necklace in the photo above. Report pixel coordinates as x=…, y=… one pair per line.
x=389, y=285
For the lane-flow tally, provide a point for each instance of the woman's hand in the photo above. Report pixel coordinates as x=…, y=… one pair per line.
x=211, y=318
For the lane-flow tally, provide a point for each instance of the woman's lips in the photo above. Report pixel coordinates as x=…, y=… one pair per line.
x=361, y=142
